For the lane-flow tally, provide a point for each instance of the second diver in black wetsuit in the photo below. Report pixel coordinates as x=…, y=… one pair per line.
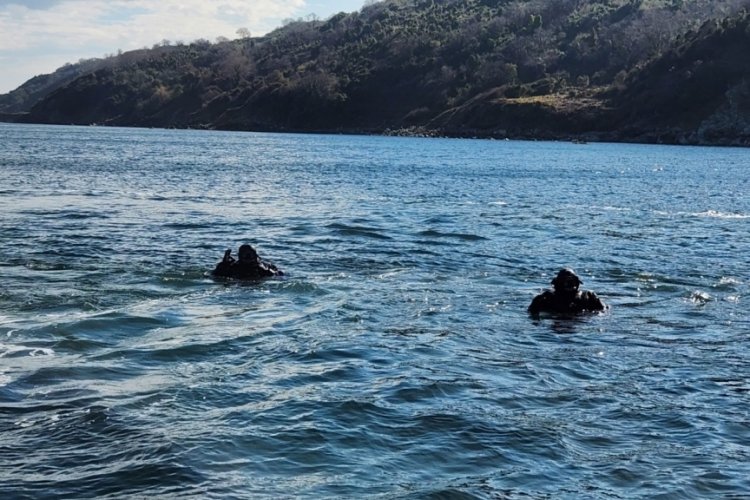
x=248, y=266
x=566, y=298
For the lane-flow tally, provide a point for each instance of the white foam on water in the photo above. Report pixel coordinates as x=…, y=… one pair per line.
x=720, y=215
x=16, y=350
x=728, y=280
x=700, y=297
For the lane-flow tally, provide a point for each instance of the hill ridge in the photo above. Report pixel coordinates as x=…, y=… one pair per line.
x=632, y=70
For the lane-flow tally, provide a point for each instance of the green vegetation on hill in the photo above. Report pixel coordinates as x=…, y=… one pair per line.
x=658, y=70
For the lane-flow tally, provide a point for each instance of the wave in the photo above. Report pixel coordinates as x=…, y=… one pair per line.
x=700, y=297
x=727, y=283
x=431, y=233
x=96, y=194
x=65, y=214
x=715, y=214
x=363, y=231
x=188, y=225
x=19, y=351
x=14, y=356
x=47, y=266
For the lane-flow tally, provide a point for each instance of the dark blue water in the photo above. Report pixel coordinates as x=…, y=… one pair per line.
x=395, y=359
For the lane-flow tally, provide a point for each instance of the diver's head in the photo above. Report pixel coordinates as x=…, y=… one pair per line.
x=247, y=253
x=566, y=281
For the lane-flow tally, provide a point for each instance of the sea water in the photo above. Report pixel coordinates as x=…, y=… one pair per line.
x=395, y=359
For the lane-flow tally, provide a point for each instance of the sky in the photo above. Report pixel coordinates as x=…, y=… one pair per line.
x=39, y=36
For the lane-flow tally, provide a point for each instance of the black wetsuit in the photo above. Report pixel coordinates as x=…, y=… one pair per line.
x=246, y=270
x=554, y=302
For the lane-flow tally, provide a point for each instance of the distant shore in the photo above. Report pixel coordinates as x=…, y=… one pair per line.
x=664, y=137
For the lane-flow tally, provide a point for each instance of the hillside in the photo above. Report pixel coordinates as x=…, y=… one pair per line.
x=661, y=71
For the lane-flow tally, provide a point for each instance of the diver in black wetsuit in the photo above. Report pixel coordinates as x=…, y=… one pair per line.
x=249, y=266
x=566, y=298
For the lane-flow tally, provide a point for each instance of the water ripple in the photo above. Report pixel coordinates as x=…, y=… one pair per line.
x=395, y=359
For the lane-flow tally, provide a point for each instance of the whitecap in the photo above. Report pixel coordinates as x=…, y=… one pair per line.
x=17, y=351
x=611, y=208
x=41, y=351
x=700, y=297
x=390, y=274
x=25, y=422
x=499, y=203
x=728, y=281
x=720, y=215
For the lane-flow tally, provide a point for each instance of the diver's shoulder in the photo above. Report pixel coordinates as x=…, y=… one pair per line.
x=591, y=301
x=541, y=302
